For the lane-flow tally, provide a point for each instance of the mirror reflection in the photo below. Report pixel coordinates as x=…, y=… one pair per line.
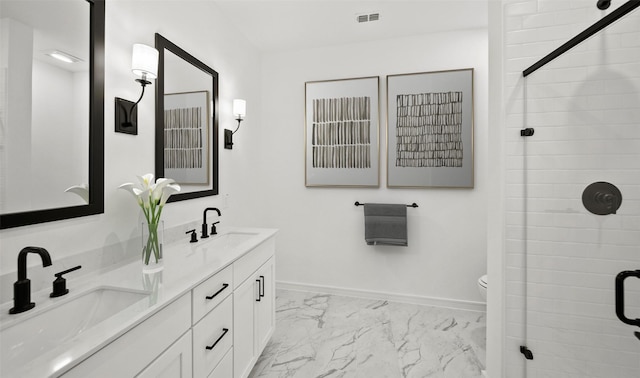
x=44, y=107
x=186, y=122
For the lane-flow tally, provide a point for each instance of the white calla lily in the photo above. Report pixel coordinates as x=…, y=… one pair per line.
x=128, y=187
x=144, y=196
x=146, y=180
x=81, y=190
x=158, y=188
x=167, y=192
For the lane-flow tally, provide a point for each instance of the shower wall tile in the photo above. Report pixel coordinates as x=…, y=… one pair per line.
x=520, y=7
x=585, y=108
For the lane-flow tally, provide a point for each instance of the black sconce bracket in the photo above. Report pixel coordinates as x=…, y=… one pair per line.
x=228, y=136
x=127, y=111
x=126, y=117
x=228, y=139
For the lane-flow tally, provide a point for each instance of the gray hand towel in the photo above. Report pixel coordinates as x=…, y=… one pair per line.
x=385, y=224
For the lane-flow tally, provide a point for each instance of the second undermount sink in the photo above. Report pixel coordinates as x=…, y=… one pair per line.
x=231, y=239
x=46, y=329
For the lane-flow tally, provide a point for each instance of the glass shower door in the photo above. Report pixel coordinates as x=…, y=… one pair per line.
x=582, y=210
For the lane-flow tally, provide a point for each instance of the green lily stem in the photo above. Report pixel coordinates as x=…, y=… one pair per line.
x=152, y=244
x=152, y=215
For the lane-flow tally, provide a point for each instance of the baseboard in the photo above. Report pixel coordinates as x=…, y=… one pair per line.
x=392, y=297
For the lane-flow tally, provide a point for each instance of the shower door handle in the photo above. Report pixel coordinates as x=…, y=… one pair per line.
x=620, y=296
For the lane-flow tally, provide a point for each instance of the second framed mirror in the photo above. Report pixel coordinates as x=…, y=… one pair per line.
x=186, y=122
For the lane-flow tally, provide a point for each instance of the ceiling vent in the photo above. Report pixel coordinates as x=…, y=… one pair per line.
x=368, y=17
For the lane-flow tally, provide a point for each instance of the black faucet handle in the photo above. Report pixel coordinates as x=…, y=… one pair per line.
x=194, y=237
x=60, y=283
x=213, y=228
x=59, y=274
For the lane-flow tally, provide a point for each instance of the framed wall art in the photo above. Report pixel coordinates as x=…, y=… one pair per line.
x=342, y=133
x=186, y=130
x=430, y=129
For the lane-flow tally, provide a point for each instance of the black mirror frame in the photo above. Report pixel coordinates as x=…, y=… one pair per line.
x=163, y=44
x=96, y=136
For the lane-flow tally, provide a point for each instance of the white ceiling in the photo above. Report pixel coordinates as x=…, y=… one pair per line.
x=56, y=25
x=276, y=25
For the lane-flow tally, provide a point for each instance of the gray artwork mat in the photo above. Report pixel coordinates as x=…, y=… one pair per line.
x=342, y=132
x=430, y=129
x=186, y=130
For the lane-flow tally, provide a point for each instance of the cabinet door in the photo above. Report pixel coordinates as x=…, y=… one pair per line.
x=129, y=354
x=175, y=362
x=244, y=353
x=265, y=309
x=224, y=368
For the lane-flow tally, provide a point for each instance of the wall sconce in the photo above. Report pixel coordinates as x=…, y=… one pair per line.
x=144, y=64
x=239, y=110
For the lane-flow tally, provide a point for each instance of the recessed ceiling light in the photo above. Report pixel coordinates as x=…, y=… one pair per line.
x=63, y=56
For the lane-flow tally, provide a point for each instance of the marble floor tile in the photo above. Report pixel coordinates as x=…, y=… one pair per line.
x=322, y=335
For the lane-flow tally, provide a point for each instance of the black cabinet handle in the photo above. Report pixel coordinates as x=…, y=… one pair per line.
x=261, y=290
x=224, y=332
x=224, y=286
x=258, y=299
x=620, y=296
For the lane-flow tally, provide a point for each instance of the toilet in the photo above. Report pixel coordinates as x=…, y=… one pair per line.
x=482, y=286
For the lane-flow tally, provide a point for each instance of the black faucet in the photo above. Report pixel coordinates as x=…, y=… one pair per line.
x=205, y=231
x=22, y=287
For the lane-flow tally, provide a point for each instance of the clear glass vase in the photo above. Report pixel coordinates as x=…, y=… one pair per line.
x=152, y=240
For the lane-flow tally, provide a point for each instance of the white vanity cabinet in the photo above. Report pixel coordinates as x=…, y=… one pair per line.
x=175, y=362
x=131, y=353
x=216, y=330
x=253, y=307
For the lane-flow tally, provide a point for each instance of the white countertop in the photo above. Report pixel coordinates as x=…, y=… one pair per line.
x=185, y=266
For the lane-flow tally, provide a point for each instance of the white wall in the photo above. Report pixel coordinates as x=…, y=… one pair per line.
x=204, y=32
x=322, y=233
x=496, y=199
x=262, y=178
x=58, y=140
x=15, y=151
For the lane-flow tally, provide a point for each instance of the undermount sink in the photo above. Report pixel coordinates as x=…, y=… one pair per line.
x=230, y=239
x=49, y=328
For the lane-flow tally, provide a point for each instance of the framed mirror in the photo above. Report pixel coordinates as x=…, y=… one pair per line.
x=51, y=111
x=186, y=122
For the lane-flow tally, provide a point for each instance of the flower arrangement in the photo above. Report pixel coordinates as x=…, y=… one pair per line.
x=151, y=198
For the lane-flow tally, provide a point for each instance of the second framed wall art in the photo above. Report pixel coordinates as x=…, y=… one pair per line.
x=430, y=129
x=342, y=133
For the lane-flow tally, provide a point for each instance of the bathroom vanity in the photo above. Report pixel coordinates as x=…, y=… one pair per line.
x=208, y=313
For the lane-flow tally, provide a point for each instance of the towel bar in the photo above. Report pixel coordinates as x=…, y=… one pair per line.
x=414, y=205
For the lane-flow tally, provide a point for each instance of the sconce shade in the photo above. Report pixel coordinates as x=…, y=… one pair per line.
x=239, y=108
x=144, y=61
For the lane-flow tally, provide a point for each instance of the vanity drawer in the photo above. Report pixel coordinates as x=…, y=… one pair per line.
x=211, y=292
x=225, y=367
x=249, y=263
x=210, y=333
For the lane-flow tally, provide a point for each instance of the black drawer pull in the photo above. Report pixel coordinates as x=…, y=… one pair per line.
x=258, y=299
x=261, y=291
x=224, y=286
x=224, y=332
